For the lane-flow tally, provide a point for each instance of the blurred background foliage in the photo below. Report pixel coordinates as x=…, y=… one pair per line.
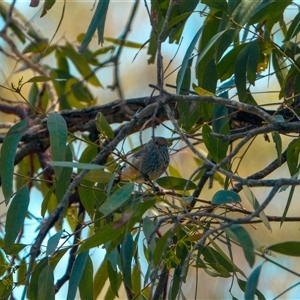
x=59, y=56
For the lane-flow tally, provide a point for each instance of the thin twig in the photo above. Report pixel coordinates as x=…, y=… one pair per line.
x=159, y=40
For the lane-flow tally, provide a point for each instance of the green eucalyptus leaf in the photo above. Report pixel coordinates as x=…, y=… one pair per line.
x=161, y=248
x=100, y=278
x=7, y=157
x=81, y=64
x=240, y=235
x=97, y=22
x=103, y=126
x=65, y=176
x=46, y=284
x=290, y=248
x=294, y=28
x=216, y=147
x=225, y=67
x=292, y=156
x=117, y=199
x=186, y=60
x=53, y=242
x=245, y=69
x=113, y=278
x=58, y=138
x=223, y=197
x=176, y=183
x=15, y=217
x=252, y=283
x=126, y=254
x=255, y=204
x=86, y=288
x=70, y=164
x=278, y=145
x=39, y=79
x=47, y=6
x=218, y=4
x=76, y=273
x=242, y=285
x=34, y=284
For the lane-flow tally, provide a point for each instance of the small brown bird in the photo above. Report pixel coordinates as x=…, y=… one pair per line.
x=148, y=163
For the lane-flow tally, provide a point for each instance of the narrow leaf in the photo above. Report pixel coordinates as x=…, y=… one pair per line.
x=53, y=242
x=126, y=259
x=251, y=286
x=124, y=43
x=103, y=126
x=245, y=68
x=86, y=289
x=294, y=28
x=149, y=231
x=15, y=249
x=186, y=59
x=117, y=199
x=161, y=248
x=240, y=235
x=62, y=183
x=278, y=145
x=176, y=183
x=76, y=274
x=242, y=285
x=208, y=141
x=7, y=158
x=46, y=284
x=78, y=95
x=21, y=272
x=87, y=198
x=291, y=248
x=48, y=197
x=112, y=256
x=98, y=176
x=225, y=67
x=252, y=62
x=218, y=4
x=70, y=164
x=216, y=148
x=175, y=284
x=100, y=279
x=268, y=10
x=81, y=64
x=106, y=234
x=34, y=282
x=288, y=202
x=97, y=22
x=212, y=42
x=113, y=278
x=136, y=280
x=220, y=123
x=279, y=64
x=292, y=156
x=58, y=138
x=47, y=5
x=255, y=204
x=39, y=79
x=16, y=216
x=224, y=258
x=110, y=294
